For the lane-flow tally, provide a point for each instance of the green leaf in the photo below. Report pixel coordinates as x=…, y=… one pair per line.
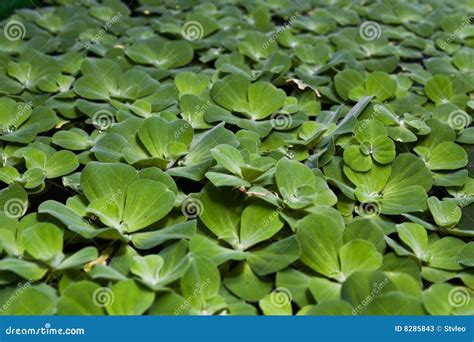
x=320, y=244
x=148, y=240
x=60, y=164
x=415, y=237
x=78, y=299
x=447, y=156
x=401, y=304
x=33, y=300
x=228, y=157
x=346, y=80
x=324, y=290
x=276, y=304
x=221, y=213
x=264, y=99
x=246, y=285
x=380, y=85
x=101, y=180
x=331, y=308
x=408, y=170
x=445, y=213
x=207, y=248
x=356, y=160
x=202, y=275
x=259, y=222
x=148, y=268
x=147, y=202
x=359, y=255
x=43, y=241
x=160, y=53
x=444, y=253
x=191, y=83
x=79, y=259
x=365, y=229
x=275, y=257
x=256, y=101
x=25, y=269
x=128, y=298
x=439, y=88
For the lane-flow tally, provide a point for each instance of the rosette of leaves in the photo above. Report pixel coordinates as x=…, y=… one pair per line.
x=372, y=145
x=104, y=80
x=239, y=233
x=256, y=102
x=42, y=162
x=20, y=123
x=164, y=143
x=371, y=53
x=440, y=257
x=404, y=128
x=32, y=249
x=440, y=90
x=325, y=251
x=442, y=155
x=32, y=76
x=244, y=168
x=397, y=188
x=111, y=192
x=160, y=53
x=305, y=189
x=124, y=138
x=256, y=46
x=351, y=84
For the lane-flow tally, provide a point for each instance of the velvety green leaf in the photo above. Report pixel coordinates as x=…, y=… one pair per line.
x=259, y=222
x=78, y=299
x=147, y=202
x=320, y=244
x=127, y=298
